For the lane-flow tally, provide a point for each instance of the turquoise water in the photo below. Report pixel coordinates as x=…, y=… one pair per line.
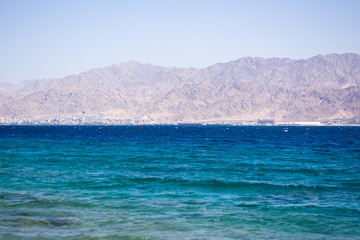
x=179, y=182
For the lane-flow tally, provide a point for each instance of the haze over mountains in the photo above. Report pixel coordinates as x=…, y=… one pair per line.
x=326, y=87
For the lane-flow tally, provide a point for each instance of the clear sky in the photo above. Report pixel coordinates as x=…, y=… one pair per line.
x=54, y=38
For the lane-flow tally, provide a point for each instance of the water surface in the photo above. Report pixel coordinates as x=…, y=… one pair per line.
x=179, y=182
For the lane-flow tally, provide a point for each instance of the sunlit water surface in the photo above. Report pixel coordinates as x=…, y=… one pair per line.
x=179, y=182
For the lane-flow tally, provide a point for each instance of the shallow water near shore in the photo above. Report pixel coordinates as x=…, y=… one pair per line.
x=179, y=182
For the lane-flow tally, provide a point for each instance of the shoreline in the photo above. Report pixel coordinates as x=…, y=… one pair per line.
x=298, y=124
x=148, y=120
x=105, y=121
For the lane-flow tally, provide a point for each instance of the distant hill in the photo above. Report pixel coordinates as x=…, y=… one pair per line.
x=326, y=87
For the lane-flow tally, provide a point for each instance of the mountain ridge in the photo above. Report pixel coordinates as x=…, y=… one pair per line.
x=323, y=86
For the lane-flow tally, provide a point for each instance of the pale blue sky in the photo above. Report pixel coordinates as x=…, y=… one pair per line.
x=54, y=38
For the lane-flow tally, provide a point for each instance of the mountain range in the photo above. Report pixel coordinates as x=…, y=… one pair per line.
x=324, y=87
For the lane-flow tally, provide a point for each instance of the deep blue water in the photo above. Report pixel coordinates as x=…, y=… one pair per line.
x=179, y=182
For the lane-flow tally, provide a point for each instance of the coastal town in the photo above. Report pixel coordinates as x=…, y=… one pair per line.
x=100, y=120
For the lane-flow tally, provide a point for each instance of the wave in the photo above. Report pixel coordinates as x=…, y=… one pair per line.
x=225, y=185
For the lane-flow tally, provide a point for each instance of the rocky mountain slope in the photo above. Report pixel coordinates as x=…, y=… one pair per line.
x=326, y=87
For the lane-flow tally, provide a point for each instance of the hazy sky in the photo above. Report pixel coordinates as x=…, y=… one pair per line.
x=54, y=38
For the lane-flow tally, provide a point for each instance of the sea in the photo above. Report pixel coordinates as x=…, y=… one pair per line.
x=179, y=182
